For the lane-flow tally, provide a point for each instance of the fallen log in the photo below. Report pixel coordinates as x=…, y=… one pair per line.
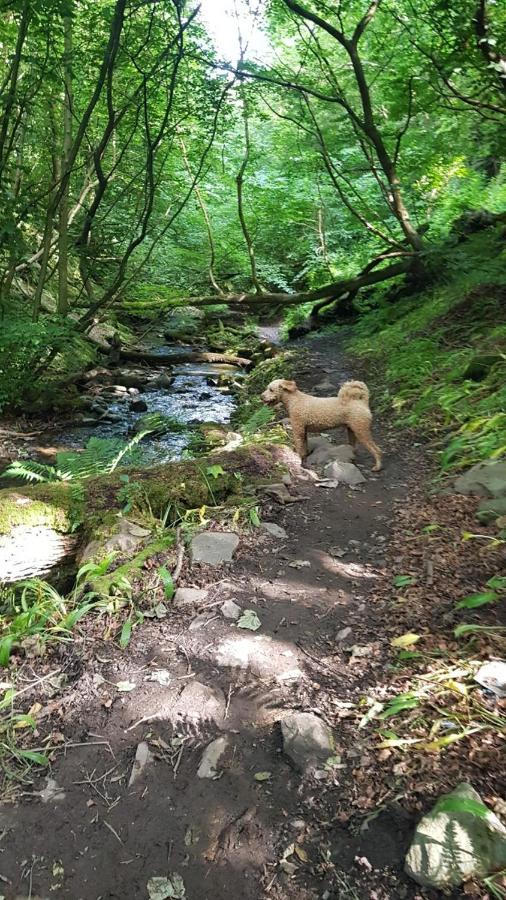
x=38, y=522
x=329, y=292
x=174, y=359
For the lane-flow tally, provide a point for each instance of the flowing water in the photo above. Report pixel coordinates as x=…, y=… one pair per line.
x=198, y=393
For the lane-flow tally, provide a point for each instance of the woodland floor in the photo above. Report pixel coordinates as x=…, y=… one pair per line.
x=352, y=824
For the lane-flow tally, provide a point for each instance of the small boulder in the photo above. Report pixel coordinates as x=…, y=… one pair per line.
x=490, y=509
x=185, y=595
x=211, y=756
x=230, y=610
x=326, y=452
x=273, y=529
x=485, y=479
x=214, y=547
x=452, y=845
x=344, y=473
x=127, y=538
x=307, y=740
x=138, y=405
x=492, y=675
x=325, y=387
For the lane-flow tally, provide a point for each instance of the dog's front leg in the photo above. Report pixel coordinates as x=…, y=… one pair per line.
x=300, y=439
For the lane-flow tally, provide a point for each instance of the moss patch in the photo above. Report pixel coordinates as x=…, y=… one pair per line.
x=22, y=508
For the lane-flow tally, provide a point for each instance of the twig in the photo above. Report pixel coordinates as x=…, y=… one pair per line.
x=228, y=701
x=317, y=662
x=140, y=721
x=180, y=557
x=178, y=760
x=115, y=833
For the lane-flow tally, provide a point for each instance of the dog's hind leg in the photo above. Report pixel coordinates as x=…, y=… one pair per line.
x=351, y=437
x=363, y=435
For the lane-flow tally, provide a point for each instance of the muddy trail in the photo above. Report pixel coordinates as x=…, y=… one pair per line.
x=258, y=826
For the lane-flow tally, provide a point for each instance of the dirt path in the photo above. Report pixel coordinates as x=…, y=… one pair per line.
x=101, y=838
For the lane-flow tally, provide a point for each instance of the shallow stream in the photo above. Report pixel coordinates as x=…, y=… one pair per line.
x=198, y=393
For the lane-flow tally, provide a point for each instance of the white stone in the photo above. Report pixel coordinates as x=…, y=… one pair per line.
x=273, y=529
x=211, y=756
x=142, y=758
x=344, y=473
x=454, y=845
x=189, y=595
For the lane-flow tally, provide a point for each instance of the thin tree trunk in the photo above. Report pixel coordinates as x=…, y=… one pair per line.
x=67, y=143
x=240, y=204
x=205, y=214
x=366, y=122
x=12, y=84
x=47, y=237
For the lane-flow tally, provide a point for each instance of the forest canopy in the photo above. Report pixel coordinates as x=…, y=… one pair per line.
x=136, y=160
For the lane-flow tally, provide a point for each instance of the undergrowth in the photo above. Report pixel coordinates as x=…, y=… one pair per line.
x=443, y=352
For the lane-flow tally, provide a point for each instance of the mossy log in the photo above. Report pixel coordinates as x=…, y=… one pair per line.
x=173, y=359
x=44, y=514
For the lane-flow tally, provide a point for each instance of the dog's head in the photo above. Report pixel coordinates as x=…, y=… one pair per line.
x=277, y=390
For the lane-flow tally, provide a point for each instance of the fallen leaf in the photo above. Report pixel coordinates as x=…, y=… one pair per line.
x=166, y=888
x=125, y=686
x=249, y=620
x=162, y=676
x=301, y=854
x=405, y=640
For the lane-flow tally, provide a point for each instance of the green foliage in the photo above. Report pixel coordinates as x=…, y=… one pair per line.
x=101, y=456
x=167, y=582
x=26, y=346
x=34, y=610
x=450, y=326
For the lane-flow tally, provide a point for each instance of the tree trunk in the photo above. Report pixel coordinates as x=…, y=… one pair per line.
x=240, y=204
x=67, y=144
x=36, y=522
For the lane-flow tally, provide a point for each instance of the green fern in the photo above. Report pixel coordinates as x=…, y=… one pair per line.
x=101, y=456
x=31, y=471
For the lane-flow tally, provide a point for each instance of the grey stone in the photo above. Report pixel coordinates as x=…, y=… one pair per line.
x=199, y=702
x=343, y=634
x=214, y=547
x=274, y=530
x=230, y=610
x=326, y=453
x=189, y=595
x=138, y=405
x=484, y=479
x=142, y=758
x=259, y=654
x=344, y=472
x=307, y=740
x=211, y=756
x=492, y=675
x=127, y=538
x=490, y=509
x=452, y=846
x=325, y=387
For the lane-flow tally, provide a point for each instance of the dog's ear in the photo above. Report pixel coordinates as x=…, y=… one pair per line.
x=288, y=385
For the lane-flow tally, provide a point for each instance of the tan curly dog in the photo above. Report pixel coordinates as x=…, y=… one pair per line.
x=307, y=413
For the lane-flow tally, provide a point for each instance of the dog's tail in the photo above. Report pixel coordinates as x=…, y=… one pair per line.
x=354, y=390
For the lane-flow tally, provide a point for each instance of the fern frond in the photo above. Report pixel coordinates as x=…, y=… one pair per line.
x=31, y=471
